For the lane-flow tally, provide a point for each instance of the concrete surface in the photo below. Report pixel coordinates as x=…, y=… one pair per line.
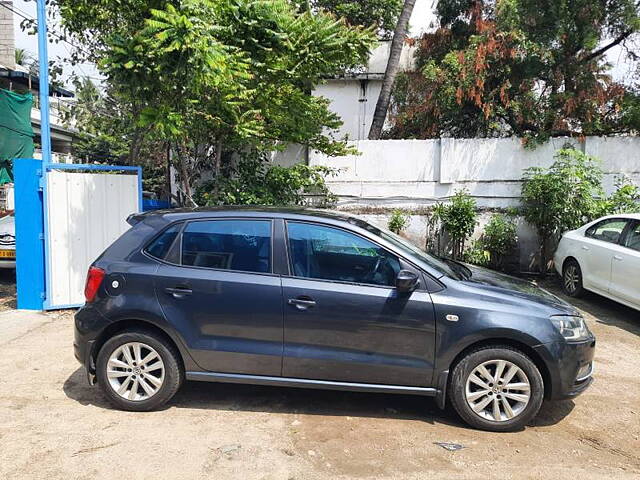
x=53, y=425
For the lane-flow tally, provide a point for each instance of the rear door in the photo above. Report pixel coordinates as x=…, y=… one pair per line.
x=344, y=319
x=598, y=248
x=219, y=292
x=625, y=270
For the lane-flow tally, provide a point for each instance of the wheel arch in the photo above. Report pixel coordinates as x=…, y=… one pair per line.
x=127, y=325
x=569, y=258
x=508, y=342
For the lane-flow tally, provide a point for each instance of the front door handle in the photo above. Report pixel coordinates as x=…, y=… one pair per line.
x=617, y=257
x=179, y=292
x=302, y=303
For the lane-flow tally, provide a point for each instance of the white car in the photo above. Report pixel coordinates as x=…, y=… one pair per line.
x=8, y=242
x=603, y=257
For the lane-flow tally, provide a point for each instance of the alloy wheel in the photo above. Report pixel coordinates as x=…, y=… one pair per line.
x=498, y=390
x=135, y=371
x=571, y=278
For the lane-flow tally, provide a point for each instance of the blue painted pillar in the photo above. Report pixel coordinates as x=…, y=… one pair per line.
x=43, y=58
x=30, y=260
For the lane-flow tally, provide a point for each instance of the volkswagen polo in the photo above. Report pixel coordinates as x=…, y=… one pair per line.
x=319, y=299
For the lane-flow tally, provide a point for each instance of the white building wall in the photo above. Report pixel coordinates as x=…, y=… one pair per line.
x=414, y=174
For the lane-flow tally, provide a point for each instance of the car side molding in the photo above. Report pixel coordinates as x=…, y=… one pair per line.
x=307, y=383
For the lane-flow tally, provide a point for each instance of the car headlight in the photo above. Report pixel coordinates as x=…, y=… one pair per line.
x=571, y=328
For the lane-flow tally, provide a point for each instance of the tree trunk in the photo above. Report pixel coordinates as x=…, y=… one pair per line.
x=391, y=72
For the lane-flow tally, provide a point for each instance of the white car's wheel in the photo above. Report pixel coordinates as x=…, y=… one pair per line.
x=572, y=278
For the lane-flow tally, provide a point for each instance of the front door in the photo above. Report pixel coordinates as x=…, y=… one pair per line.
x=598, y=247
x=344, y=320
x=625, y=269
x=223, y=298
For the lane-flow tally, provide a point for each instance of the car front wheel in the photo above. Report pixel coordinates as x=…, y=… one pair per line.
x=572, y=279
x=497, y=389
x=138, y=370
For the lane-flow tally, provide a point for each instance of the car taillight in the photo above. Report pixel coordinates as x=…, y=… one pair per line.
x=94, y=279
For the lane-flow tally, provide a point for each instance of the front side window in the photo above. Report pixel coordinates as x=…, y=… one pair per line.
x=242, y=245
x=633, y=239
x=328, y=253
x=608, y=230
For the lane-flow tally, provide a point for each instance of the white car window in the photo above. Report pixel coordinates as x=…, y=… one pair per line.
x=608, y=230
x=633, y=239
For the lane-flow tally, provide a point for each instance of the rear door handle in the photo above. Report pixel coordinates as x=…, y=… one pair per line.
x=584, y=247
x=302, y=303
x=617, y=257
x=178, y=292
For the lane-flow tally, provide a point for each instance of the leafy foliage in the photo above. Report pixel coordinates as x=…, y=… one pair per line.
x=457, y=219
x=528, y=68
x=382, y=14
x=255, y=181
x=625, y=199
x=561, y=197
x=211, y=78
x=499, y=239
x=399, y=220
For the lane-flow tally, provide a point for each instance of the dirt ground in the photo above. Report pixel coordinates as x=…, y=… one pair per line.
x=53, y=425
x=7, y=289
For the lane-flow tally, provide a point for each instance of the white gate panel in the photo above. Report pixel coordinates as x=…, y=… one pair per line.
x=86, y=213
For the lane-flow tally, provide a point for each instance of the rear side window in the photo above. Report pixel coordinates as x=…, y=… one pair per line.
x=161, y=245
x=242, y=245
x=609, y=230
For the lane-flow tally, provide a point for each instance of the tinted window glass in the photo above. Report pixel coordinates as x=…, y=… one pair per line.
x=160, y=246
x=608, y=230
x=633, y=239
x=243, y=245
x=333, y=254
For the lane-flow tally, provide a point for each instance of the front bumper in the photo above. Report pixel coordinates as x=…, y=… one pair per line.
x=570, y=367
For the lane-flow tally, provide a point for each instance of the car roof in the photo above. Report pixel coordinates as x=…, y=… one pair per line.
x=632, y=216
x=178, y=214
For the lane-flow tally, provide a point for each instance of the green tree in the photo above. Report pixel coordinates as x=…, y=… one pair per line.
x=562, y=197
x=529, y=68
x=215, y=77
x=382, y=14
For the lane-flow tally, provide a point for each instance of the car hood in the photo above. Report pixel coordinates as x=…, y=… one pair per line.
x=486, y=279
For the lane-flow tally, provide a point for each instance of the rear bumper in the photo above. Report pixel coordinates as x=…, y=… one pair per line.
x=570, y=367
x=88, y=323
x=8, y=264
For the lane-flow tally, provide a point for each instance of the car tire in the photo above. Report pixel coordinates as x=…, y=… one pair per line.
x=143, y=361
x=513, y=412
x=572, y=279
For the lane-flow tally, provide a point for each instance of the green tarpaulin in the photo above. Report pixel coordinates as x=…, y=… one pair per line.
x=16, y=133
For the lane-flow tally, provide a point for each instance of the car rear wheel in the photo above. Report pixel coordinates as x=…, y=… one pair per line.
x=138, y=370
x=572, y=279
x=497, y=389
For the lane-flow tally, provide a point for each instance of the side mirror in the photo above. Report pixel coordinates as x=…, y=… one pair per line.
x=407, y=281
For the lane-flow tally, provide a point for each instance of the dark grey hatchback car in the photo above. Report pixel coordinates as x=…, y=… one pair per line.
x=315, y=299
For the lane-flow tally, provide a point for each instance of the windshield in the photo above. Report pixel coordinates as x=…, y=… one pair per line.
x=413, y=251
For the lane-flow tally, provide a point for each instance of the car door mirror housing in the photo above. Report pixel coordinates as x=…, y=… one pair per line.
x=407, y=281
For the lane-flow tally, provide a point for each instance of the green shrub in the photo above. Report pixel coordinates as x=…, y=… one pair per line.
x=457, y=219
x=561, y=197
x=256, y=181
x=626, y=198
x=399, y=221
x=499, y=240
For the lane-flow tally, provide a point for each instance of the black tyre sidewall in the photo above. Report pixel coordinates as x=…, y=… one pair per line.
x=172, y=370
x=458, y=384
x=579, y=289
